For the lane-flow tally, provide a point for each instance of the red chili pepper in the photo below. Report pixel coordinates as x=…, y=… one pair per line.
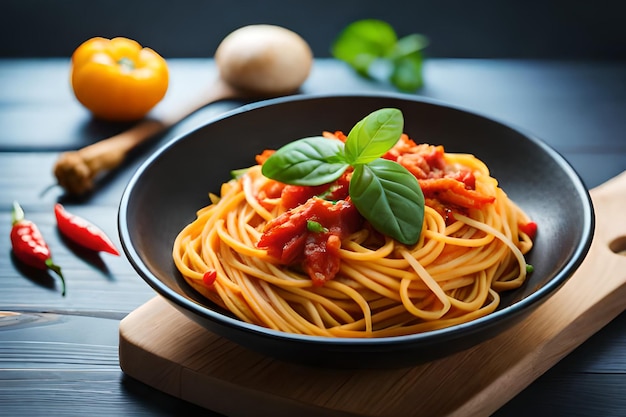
x=529, y=228
x=209, y=277
x=29, y=245
x=83, y=232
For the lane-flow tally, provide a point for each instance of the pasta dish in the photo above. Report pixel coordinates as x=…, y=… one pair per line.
x=305, y=259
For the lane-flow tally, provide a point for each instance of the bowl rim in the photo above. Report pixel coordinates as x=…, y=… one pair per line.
x=479, y=324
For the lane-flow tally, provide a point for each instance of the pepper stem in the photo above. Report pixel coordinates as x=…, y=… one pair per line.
x=56, y=268
x=127, y=64
x=17, y=214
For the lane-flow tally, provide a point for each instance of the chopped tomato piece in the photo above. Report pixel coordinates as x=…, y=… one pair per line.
x=321, y=257
x=209, y=277
x=452, y=191
x=339, y=190
x=529, y=228
x=272, y=189
x=287, y=238
x=423, y=161
x=404, y=145
x=261, y=158
x=465, y=176
x=335, y=135
x=295, y=195
x=291, y=250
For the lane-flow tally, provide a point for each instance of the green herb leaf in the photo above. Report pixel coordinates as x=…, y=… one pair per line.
x=373, y=136
x=390, y=198
x=238, y=173
x=407, y=59
x=409, y=46
x=309, y=161
x=315, y=227
x=407, y=73
x=364, y=41
x=372, y=48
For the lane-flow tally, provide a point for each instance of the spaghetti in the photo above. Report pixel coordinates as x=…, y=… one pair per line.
x=338, y=277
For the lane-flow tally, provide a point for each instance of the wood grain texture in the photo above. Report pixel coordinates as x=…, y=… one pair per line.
x=161, y=347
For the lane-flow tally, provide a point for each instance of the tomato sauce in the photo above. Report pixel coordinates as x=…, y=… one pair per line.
x=288, y=238
x=446, y=188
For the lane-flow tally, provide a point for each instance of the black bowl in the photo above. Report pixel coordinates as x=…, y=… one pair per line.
x=165, y=192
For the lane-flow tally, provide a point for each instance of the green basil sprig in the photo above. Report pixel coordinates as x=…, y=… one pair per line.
x=374, y=50
x=383, y=191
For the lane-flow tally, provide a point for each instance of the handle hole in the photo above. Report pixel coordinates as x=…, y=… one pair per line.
x=618, y=245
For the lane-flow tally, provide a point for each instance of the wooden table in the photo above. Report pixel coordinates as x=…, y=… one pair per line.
x=59, y=356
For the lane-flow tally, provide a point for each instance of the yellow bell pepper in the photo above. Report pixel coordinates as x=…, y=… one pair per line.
x=118, y=79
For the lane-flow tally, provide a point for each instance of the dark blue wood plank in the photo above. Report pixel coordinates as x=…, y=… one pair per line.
x=60, y=364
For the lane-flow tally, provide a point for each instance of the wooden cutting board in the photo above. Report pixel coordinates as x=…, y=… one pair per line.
x=164, y=349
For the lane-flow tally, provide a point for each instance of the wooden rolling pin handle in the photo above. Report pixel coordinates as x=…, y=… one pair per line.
x=76, y=171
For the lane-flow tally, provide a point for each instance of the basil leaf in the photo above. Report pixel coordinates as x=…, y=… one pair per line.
x=409, y=46
x=408, y=63
x=407, y=73
x=309, y=161
x=238, y=173
x=372, y=48
x=362, y=42
x=390, y=198
x=370, y=138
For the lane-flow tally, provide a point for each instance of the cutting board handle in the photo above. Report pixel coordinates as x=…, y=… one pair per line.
x=610, y=204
